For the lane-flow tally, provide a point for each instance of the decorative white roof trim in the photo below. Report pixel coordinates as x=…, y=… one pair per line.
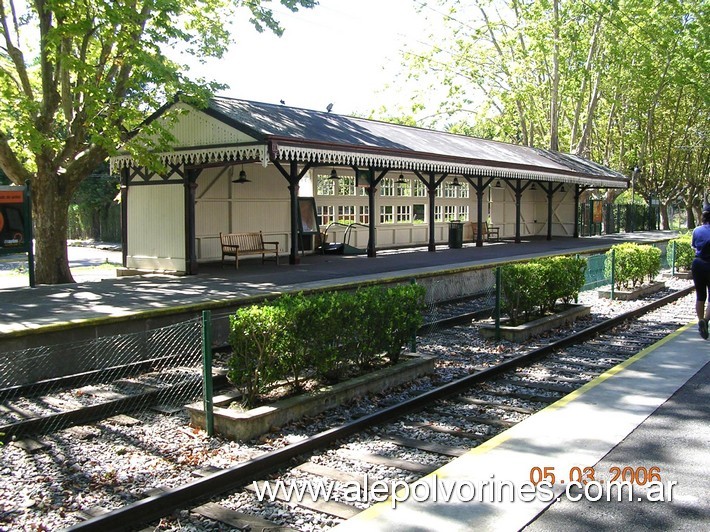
x=406, y=163
x=199, y=156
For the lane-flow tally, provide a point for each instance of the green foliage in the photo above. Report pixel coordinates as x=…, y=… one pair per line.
x=535, y=287
x=684, y=253
x=633, y=264
x=328, y=334
x=257, y=336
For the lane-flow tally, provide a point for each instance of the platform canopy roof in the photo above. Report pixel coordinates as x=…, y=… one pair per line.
x=236, y=130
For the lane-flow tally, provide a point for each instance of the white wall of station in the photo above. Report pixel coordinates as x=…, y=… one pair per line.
x=156, y=227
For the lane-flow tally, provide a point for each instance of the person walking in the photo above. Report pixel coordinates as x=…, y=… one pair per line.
x=701, y=270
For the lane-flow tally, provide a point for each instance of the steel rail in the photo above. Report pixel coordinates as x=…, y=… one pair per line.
x=189, y=495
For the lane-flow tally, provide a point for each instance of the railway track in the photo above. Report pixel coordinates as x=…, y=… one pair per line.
x=400, y=442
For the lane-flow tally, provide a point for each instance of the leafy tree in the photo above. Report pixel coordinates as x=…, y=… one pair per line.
x=92, y=200
x=77, y=76
x=622, y=82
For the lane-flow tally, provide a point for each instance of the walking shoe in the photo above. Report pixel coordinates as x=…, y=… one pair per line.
x=703, y=328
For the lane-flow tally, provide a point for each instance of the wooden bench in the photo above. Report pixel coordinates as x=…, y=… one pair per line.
x=488, y=233
x=236, y=244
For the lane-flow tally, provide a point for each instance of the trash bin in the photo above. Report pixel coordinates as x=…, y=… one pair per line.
x=455, y=235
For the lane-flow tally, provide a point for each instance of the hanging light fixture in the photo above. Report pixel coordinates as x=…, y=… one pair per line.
x=498, y=183
x=242, y=176
x=533, y=187
x=455, y=182
x=562, y=188
x=401, y=180
x=334, y=175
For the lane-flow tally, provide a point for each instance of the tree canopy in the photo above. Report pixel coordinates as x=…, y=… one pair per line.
x=78, y=76
x=621, y=82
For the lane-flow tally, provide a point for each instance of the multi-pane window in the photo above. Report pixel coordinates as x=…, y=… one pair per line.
x=419, y=189
x=325, y=186
x=346, y=185
x=346, y=213
x=386, y=214
x=404, y=214
x=326, y=214
x=364, y=214
x=450, y=190
x=404, y=188
x=463, y=212
x=464, y=191
x=450, y=213
x=439, y=192
x=387, y=187
x=437, y=213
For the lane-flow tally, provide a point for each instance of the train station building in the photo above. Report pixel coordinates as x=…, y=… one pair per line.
x=293, y=174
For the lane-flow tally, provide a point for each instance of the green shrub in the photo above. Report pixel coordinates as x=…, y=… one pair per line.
x=535, y=287
x=684, y=253
x=257, y=336
x=633, y=263
x=328, y=334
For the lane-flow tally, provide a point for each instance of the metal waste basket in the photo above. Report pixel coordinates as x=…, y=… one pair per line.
x=455, y=235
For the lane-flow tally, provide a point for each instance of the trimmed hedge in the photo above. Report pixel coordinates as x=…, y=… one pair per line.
x=634, y=263
x=534, y=288
x=684, y=253
x=329, y=334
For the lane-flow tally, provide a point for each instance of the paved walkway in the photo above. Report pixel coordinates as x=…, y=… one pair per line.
x=25, y=308
x=603, y=425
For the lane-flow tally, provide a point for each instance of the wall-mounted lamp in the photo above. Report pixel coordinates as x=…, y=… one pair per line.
x=242, y=175
x=455, y=182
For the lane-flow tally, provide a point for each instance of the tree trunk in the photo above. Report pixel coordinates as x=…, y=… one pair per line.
x=665, y=223
x=51, y=220
x=690, y=216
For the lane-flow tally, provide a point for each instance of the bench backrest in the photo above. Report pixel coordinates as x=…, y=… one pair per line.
x=245, y=241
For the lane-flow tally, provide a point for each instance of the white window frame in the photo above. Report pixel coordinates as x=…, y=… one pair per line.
x=364, y=214
x=346, y=213
x=346, y=186
x=386, y=214
x=387, y=187
x=326, y=214
x=403, y=214
x=325, y=186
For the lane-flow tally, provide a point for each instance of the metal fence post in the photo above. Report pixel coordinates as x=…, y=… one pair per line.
x=207, y=371
x=613, y=272
x=672, y=257
x=413, y=339
x=497, y=307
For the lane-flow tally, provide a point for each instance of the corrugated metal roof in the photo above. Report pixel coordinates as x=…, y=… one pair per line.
x=294, y=125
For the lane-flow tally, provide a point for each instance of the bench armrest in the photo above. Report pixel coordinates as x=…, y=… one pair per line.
x=272, y=243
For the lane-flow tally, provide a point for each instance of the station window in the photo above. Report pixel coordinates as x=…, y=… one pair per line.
x=386, y=214
x=450, y=213
x=346, y=213
x=325, y=186
x=418, y=211
x=437, y=213
x=346, y=185
x=463, y=213
x=404, y=189
x=449, y=190
x=387, y=187
x=464, y=191
x=439, y=192
x=419, y=189
x=326, y=214
x=404, y=214
x=364, y=214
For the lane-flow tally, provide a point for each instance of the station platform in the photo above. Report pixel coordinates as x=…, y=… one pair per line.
x=649, y=412
x=29, y=310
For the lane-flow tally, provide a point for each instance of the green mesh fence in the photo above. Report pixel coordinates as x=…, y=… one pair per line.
x=595, y=276
x=48, y=388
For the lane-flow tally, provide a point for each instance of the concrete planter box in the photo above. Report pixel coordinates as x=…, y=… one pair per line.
x=683, y=274
x=520, y=333
x=627, y=295
x=244, y=425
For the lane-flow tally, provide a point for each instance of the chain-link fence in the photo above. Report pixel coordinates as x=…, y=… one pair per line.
x=44, y=389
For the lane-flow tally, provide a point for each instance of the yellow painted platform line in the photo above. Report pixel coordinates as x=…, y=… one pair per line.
x=373, y=512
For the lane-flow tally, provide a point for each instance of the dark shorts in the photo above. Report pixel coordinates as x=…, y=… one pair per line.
x=701, y=278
